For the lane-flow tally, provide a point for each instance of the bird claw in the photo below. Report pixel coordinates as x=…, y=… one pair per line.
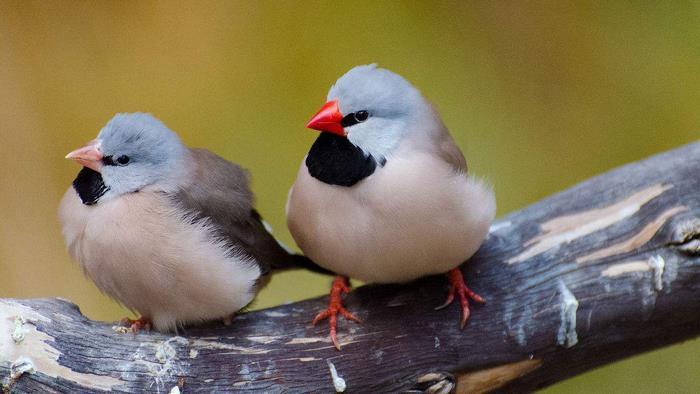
x=142, y=323
x=335, y=306
x=459, y=287
x=228, y=320
x=448, y=301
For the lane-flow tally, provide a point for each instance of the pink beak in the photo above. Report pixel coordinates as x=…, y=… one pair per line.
x=89, y=156
x=328, y=119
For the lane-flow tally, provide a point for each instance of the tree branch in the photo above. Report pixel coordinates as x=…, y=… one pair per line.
x=602, y=271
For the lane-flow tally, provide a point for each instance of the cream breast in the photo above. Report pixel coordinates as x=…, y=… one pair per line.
x=416, y=216
x=143, y=252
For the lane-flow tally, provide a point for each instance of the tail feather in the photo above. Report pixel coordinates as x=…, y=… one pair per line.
x=296, y=261
x=274, y=255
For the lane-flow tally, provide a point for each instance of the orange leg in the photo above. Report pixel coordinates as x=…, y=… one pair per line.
x=459, y=287
x=335, y=306
x=142, y=323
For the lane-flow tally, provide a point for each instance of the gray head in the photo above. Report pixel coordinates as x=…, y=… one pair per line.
x=373, y=107
x=133, y=151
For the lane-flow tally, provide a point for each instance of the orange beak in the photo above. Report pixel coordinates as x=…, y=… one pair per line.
x=89, y=156
x=328, y=119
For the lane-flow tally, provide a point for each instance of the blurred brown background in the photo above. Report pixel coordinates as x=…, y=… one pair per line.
x=540, y=95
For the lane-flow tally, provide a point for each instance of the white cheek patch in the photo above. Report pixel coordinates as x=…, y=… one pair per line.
x=375, y=137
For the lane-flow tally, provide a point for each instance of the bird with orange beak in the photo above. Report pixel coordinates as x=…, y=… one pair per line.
x=383, y=194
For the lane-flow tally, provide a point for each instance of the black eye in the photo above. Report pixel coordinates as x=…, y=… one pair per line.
x=361, y=116
x=123, y=159
x=354, y=118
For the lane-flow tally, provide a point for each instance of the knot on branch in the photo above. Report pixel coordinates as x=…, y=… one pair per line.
x=435, y=383
x=686, y=236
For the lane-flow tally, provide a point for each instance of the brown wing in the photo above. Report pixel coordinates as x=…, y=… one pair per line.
x=220, y=192
x=446, y=147
x=450, y=152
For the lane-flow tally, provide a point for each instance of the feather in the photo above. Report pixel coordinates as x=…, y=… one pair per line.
x=218, y=191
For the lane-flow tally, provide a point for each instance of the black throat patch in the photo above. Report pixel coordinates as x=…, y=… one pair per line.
x=89, y=186
x=336, y=161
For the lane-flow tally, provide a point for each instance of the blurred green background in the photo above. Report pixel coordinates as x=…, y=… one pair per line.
x=539, y=95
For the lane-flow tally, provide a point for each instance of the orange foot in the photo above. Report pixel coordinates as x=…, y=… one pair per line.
x=335, y=305
x=142, y=323
x=458, y=286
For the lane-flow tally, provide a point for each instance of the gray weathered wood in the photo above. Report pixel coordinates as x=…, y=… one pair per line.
x=604, y=270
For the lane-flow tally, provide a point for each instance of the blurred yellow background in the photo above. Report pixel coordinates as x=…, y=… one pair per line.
x=539, y=95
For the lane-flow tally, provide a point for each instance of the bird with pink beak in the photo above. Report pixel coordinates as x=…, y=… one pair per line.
x=383, y=194
x=89, y=156
x=168, y=231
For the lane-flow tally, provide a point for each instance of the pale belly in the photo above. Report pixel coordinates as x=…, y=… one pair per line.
x=138, y=250
x=410, y=219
